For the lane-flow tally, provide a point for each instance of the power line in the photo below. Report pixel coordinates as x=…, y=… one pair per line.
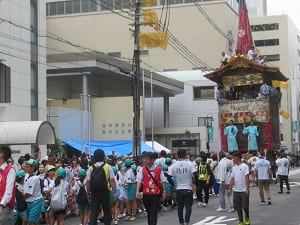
x=210, y=20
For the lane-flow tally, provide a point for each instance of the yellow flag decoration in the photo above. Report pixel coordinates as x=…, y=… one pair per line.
x=153, y=40
x=281, y=84
x=149, y=2
x=285, y=114
x=151, y=18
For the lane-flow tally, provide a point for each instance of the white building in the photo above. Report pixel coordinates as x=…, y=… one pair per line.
x=22, y=62
x=188, y=114
x=257, y=8
x=279, y=39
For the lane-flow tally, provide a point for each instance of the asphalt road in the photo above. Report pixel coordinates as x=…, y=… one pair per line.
x=285, y=210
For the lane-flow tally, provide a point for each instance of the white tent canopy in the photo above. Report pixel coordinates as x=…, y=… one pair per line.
x=158, y=147
x=27, y=133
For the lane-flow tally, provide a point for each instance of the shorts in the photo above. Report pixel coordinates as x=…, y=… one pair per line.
x=131, y=191
x=112, y=196
x=170, y=189
x=84, y=207
x=18, y=214
x=61, y=212
x=34, y=210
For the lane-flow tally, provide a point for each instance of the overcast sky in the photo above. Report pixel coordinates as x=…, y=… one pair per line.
x=290, y=7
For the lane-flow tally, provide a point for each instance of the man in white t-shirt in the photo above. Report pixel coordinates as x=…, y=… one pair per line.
x=252, y=161
x=240, y=183
x=223, y=177
x=263, y=173
x=184, y=172
x=283, y=172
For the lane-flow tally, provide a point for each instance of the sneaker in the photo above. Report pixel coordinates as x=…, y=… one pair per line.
x=200, y=204
x=220, y=209
x=204, y=205
x=143, y=214
x=240, y=223
x=280, y=192
x=164, y=208
x=269, y=202
x=288, y=192
x=127, y=218
x=115, y=222
x=132, y=218
x=231, y=210
x=263, y=203
x=247, y=221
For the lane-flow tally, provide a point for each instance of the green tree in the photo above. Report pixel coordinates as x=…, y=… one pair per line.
x=58, y=147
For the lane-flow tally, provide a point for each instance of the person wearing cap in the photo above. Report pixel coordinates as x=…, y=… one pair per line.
x=161, y=160
x=121, y=178
x=33, y=193
x=7, y=184
x=240, y=182
x=48, y=186
x=152, y=178
x=114, y=204
x=103, y=197
x=60, y=180
x=84, y=208
x=263, y=173
x=223, y=177
x=20, y=214
x=130, y=187
x=170, y=202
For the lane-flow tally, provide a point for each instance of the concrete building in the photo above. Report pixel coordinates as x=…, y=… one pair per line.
x=74, y=79
x=22, y=63
x=278, y=38
x=257, y=8
x=189, y=115
x=91, y=25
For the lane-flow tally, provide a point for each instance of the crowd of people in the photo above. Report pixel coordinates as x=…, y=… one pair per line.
x=110, y=189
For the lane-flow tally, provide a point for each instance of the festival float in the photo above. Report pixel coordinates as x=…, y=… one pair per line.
x=245, y=101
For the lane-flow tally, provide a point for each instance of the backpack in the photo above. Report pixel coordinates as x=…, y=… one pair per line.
x=58, y=199
x=98, y=179
x=82, y=196
x=20, y=201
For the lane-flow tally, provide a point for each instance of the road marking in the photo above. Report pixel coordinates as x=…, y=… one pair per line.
x=294, y=172
x=293, y=184
x=212, y=220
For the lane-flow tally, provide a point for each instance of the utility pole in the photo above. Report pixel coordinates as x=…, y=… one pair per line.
x=136, y=83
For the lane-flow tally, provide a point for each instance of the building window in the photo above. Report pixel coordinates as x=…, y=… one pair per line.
x=204, y=92
x=144, y=52
x=115, y=54
x=298, y=38
x=170, y=70
x=60, y=8
x=84, y=5
x=205, y=121
x=34, y=21
x=298, y=52
x=93, y=6
x=69, y=6
x=76, y=6
x=272, y=58
x=265, y=27
x=268, y=42
x=34, y=85
x=52, y=8
x=281, y=137
x=4, y=84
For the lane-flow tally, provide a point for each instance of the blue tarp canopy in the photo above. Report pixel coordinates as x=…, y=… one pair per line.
x=119, y=147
